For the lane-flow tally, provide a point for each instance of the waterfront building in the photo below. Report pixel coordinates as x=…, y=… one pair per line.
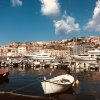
x=21, y=51
x=82, y=47
x=12, y=52
x=4, y=50
x=60, y=48
x=57, y=53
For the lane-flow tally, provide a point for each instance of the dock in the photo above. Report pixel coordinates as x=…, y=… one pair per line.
x=15, y=96
x=64, y=96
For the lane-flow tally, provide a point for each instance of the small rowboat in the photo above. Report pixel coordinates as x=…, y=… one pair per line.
x=57, y=84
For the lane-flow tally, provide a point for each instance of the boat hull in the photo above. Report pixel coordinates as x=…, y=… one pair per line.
x=4, y=73
x=50, y=87
x=85, y=58
x=54, y=88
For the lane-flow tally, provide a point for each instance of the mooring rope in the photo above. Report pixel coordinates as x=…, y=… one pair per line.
x=27, y=85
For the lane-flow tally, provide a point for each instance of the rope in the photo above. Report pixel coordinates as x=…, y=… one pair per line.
x=26, y=85
x=34, y=82
x=22, y=87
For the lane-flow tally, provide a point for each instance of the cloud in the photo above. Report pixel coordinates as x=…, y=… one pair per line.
x=50, y=7
x=66, y=25
x=16, y=3
x=94, y=22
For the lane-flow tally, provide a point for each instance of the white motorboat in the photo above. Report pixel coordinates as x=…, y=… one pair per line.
x=92, y=55
x=42, y=56
x=84, y=57
x=57, y=84
x=36, y=63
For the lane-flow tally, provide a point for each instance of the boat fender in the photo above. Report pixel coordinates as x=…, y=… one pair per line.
x=77, y=82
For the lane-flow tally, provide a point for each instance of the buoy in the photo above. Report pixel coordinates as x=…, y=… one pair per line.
x=77, y=82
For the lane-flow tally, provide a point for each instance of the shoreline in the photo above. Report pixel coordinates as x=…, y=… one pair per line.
x=78, y=94
x=16, y=96
x=64, y=96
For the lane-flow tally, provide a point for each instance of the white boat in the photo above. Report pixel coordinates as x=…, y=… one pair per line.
x=84, y=57
x=36, y=63
x=42, y=56
x=92, y=55
x=57, y=84
x=95, y=52
x=94, y=67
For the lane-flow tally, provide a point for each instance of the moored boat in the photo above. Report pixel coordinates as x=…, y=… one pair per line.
x=92, y=55
x=84, y=57
x=57, y=84
x=94, y=67
x=4, y=73
x=42, y=56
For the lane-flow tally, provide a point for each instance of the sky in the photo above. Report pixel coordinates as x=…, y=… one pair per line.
x=48, y=20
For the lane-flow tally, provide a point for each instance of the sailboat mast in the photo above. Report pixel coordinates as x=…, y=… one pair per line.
x=76, y=46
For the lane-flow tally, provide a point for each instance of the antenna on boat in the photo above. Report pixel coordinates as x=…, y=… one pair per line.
x=76, y=46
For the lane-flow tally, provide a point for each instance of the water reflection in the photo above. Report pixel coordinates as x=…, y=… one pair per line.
x=28, y=82
x=88, y=87
x=4, y=80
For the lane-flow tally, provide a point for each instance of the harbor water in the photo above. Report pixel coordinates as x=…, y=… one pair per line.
x=26, y=82
x=29, y=82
